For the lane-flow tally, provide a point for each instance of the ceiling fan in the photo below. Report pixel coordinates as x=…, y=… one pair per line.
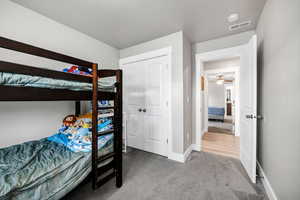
x=221, y=80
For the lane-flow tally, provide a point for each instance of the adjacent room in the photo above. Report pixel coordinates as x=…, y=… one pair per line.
x=221, y=101
x=149, y=100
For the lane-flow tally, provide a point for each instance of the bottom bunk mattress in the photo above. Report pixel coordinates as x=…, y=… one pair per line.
x=43, y=170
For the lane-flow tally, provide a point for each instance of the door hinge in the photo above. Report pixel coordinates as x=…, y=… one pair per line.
x=167, y=141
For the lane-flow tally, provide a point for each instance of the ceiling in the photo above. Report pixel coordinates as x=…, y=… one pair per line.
x=123, y=23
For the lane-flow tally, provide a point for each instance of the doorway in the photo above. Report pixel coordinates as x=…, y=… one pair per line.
x=221, y=96
x=245, y=118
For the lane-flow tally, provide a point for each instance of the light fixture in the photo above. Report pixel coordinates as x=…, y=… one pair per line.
x=220, y=80
x=233, y=17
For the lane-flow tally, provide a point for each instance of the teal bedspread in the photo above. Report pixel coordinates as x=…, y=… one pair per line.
x=42, y=170
x=21, y=80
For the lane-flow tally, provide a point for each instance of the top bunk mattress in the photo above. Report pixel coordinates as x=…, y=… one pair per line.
x=21, y=80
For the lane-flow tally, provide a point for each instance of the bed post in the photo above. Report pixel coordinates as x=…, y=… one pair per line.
x=95, y=126
x=77, y=108
x=118, y=128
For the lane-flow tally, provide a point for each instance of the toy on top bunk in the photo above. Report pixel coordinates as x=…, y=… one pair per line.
x=76, y=134
x=78, y=70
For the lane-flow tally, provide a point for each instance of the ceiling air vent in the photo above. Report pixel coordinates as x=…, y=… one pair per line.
x=239, y=25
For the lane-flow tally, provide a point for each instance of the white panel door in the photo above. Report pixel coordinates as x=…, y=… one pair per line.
x=134, y=101
x=155, y=120
x=145, y=104
x=248, y=107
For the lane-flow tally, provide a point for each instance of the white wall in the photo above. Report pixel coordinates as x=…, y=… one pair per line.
x=279, y=96
x=23, y=121
x=187, y=92
x=222, y=43
x=222, y=64
x=175, y=41
x=216, y=95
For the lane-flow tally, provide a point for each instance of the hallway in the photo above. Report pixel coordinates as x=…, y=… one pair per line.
x=221, y=144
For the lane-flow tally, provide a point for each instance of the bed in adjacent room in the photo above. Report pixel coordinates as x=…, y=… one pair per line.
x=216, y=113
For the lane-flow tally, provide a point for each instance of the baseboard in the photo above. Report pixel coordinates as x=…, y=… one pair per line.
x=269, y=190
x=181, y=157
x=178, y=157
x=188, y=152
x=196, y=147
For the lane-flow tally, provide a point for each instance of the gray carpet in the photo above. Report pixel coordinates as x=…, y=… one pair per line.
x=150, y=177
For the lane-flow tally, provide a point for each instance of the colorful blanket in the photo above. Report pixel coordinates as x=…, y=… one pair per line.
x=79, y=137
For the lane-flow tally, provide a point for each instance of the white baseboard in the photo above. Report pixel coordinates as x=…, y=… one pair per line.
x=178, y=157
x=181, y=157
x=269, y=190
x=196, y=147
x=188, y=152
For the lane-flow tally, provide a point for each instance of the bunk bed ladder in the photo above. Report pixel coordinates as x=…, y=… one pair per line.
x=101, y=175
x=95, y=127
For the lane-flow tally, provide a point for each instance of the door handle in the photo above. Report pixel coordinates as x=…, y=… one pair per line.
x=254, y=117
x=249, y=116
x=259, y=117
x=144, y=110
x=140, y=110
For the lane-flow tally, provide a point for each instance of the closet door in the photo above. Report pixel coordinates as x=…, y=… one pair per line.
x=155, y=124
x=134, y=102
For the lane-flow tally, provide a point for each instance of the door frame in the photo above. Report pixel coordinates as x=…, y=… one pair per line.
x=235, y=70
x=237, y=51
x=200, y=59
x=167, y=51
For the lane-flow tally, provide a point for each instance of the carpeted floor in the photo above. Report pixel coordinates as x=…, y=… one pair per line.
x=205, y=176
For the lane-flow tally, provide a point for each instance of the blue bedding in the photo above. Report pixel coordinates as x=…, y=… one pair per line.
x=21, y=80
x=78, y=137
x=43, y=170
x=216, y=111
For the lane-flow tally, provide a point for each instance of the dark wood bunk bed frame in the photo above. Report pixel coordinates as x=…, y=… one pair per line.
x=9, y=93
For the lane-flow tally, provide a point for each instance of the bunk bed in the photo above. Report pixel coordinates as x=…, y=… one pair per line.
x=44, y=169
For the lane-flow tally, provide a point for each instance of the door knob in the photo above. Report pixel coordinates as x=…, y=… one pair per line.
x=254, y=117
x=259, y=117
x=140, y=110
x=144, y=110
x=249, y=116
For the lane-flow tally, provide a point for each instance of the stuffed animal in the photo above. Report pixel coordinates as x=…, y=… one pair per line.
x=78, y=70
x=69, y=120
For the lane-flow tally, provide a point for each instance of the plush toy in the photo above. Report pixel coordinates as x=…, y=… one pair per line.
x=69, y=120
x=78, y=70
x=87, y=116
